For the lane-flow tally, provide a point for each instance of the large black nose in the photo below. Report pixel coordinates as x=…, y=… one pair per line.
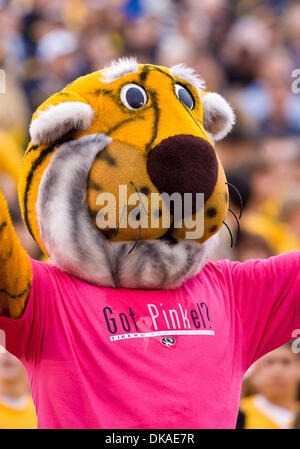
x=183, y=164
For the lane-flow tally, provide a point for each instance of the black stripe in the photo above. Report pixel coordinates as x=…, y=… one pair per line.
x=149, y=67
x=68, y=137
x=196, y=122
x=100, y=91
x=123, y=122
x=7, y=256
x=18, y=295
x=44, y=153
x=156, y=119
x=107, y=157
x=32, y=148
x=3, y=225
x=144, y=73
x=65, y=94
x=116, y=268
x=94, y=185
x=164, y=73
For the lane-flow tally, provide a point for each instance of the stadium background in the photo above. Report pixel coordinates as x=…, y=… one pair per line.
x=246, y=50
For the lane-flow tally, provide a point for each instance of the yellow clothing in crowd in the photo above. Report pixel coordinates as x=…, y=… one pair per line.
x=259, y=413
x=275, y=233
x=10, y=156
x=267, y=223
x=13, y=417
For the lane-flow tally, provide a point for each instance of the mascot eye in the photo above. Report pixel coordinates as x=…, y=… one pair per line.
x=184, y=96
x=133, y=96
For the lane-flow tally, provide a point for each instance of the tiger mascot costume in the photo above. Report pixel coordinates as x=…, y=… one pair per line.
x=130, y=326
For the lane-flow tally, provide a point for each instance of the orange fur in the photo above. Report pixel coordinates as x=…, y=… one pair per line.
x=15, y=267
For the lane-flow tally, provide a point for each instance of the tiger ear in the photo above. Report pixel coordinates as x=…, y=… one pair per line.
x=218, y=116
x=60, y=114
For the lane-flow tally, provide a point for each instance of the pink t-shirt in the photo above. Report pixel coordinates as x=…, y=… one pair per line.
x=106, y=358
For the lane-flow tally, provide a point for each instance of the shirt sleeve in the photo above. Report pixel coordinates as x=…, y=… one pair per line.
x=23, y=337
x=266, y=296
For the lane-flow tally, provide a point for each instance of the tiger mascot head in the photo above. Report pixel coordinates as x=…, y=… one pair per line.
x=110, y=180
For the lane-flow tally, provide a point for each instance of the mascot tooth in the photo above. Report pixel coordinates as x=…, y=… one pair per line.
x=129, y=325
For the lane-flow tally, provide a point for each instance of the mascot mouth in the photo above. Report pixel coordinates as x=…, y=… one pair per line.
x=168, y=237
x=76, y=245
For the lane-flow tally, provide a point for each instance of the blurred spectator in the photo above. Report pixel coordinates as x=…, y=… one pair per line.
x=291, y=30
x=269, y=99
x=141, y=37
x=14, y=113
x=263, y=191
x=275, y=378
x=16, y=407
x=100, y=49
x=246, y=44
x=252, y=246
x=291, y=216
x=59, y=63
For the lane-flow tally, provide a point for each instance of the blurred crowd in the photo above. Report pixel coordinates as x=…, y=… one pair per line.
x=247, y=50
x=270, y=393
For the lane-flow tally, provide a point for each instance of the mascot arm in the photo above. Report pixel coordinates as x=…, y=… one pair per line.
x=15, y=267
